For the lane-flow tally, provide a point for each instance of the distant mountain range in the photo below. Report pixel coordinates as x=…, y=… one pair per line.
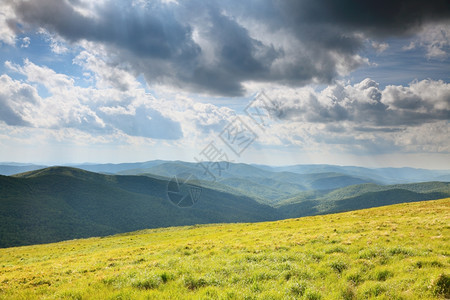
x=56, y=203
x=170, y=168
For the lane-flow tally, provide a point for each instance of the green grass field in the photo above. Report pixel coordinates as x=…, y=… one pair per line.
x=392, y=252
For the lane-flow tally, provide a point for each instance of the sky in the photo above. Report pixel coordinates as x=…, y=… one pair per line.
x=274, y=82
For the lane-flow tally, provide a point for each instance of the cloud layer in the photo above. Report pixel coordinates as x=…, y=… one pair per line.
x=358, y=118
x=217, y=46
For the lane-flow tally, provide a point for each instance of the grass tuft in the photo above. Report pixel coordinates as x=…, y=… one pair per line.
x=298, y=289
x=194, y=283
x=147, y=283
x=338, y=266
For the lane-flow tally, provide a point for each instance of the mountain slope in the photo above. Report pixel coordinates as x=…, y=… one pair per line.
x=324, y=205
x=360, y=189
x=61, y=203
x=392, y=252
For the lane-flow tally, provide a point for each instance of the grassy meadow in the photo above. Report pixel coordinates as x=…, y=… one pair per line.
x=392, y=252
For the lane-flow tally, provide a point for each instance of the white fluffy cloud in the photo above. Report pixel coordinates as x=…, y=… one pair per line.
x=88, y=109
x=17, y=101
x=365, y=103
x=7, y=34
x=106, y=75
x=362, y=118
x=435, y=39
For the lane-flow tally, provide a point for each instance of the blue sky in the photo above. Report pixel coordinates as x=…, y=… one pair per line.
x=338, y=82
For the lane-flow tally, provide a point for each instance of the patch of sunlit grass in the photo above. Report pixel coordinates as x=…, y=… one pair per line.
x=394, y=252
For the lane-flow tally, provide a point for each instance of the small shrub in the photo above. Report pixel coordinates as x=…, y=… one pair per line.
x=140, y=260
x=401, y=251
x=375, y=290
x=72, y=295
x=256, y=288
x=109, y=281
x=147, y=284
x=298, y=288
x=338, y=266
x=355, y=278
x=287, y=276
x=435, y=264
x=165, y=277
x=348, y=293
x=40, y=282
x=442, y=286
x=299, y=274
x=371, y=253
x=335, y=250
x=315, y=256
x=193, y=284
x=383, y=275
x=313, y=295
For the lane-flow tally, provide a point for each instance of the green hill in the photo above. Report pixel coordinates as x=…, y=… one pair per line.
x=269, y=190
x=360, y=189
x=60, y=203
x=360, y=197
x=391, y=252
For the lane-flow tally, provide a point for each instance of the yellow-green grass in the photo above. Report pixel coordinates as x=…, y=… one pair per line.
x=393, y=252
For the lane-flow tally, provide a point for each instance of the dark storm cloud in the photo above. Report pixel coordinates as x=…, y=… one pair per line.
x=382, y=18
x=209, y=46
x=379, y=129
x=151, y=33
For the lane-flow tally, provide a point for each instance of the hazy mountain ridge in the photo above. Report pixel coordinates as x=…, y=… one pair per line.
x=14, y=168
x=383, y=175
x=309, y=207
x=358, y=190
x=171, y=168
x=60, y=203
